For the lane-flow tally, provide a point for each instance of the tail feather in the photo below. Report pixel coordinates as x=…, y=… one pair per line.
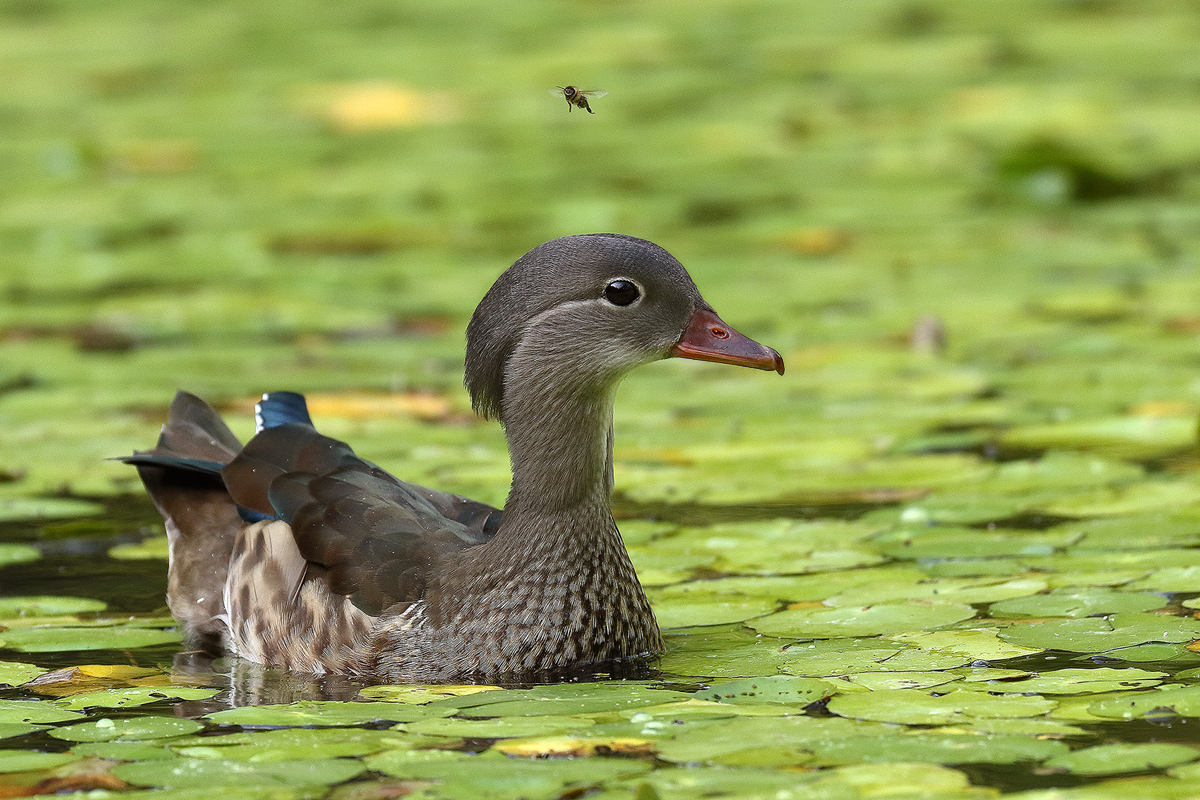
x=183, y=477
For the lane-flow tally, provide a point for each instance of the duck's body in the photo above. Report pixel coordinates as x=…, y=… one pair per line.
x=292, y=551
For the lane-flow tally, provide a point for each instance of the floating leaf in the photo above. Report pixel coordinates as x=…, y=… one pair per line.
x=419, y=694
x=10, y=729
x=322, y=712
x=876, y=620
x=18, y=553
x=156, y=547
x=14, y=509
x=697, y=611
x=938, y=748
x=918, y=707
x=1077, y=603
x=771, y=689
x=46, y=640
x=289, y=744
x=47, y=606
x=27, y=760
x=1112, y=759
x=1172, y=701
x=943, y=590
x=127, y=729
x=1103, y=634
x=135, y=696
x=498, y=727
x=1083, y=681
x=125, y=751
x=34, y=711
x=211, y=773
x=14, y=673
x=979, y=644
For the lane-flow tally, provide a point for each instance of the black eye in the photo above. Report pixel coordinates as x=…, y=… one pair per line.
x=621, y=293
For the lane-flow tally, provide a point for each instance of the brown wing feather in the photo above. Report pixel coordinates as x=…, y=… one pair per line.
x=376, y=537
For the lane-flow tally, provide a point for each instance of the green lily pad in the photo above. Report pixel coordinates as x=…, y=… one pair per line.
x=1170, y=579
x=919, y=707
x=1103, y=634
x=35, y=711
x=289, y=744
x=125, y=751
x=772, y=689
x=1112, y=759
x=127, y=729
x=156, y=547
x=18, y=553
x=706, y=740
x=133, y=696
x=876, y=681
x=850, y=656
x=714, y=611
x=498, y=727
x=321, y=712
x=1138, y=532
x=942, y=590
x=559, y=699
x=875, y=620
x=1132, y=499
x=14, y=673
x=1084, y=681
x=28, y=761
x=979, y=644
x=1129, y=437
x=48, y=640
x=913, y=544
x=10, y=729
x=1173, y=701
x=47, y=606
x=492, y=775
x=938, y=748
x=1083, y=602
x=192, y=772
x=15, y=509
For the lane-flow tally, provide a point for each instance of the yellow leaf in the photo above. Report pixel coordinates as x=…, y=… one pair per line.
x=574, y=746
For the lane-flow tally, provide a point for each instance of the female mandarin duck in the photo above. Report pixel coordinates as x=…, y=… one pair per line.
x=293, y=551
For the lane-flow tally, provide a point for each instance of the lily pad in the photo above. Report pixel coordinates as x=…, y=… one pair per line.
x=1171, y=701
x=1103, y=634
x=133, y=696
x=10, y=729
x=48, y=640
x=874, y=620
x=942, y=590
x=772, y=689
x=979, y=644
x=14, y=673
x=212, y=773
x=850, y=656
x=156, y=547
x=498, y=727
x=35, y=711
x=28, y=760
x=919, y=707
x=713, y=611
x=14, y=509
x=1084, y=681
x=322, y=712
x=47, y=606
x=939, y=748
x=289, y=744
x=1083, y=602
x=17, y=553
x=127, y=729
x=1112, y=759
x=559, y=699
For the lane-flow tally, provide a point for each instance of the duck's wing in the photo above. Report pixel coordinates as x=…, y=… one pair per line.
x=375, y=538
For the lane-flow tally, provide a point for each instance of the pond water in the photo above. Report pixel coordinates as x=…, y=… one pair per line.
x=954, y=552
x=865, y=673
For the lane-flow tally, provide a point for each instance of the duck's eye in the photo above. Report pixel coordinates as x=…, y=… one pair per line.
x=621, y=293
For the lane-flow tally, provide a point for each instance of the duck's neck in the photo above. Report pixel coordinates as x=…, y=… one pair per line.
x=561, y=450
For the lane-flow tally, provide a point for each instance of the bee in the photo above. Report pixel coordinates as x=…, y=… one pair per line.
x=578, y=97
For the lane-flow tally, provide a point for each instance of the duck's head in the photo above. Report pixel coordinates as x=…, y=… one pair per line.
x=575, y=314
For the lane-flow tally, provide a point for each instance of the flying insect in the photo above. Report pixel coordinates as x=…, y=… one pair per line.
x=578, y=97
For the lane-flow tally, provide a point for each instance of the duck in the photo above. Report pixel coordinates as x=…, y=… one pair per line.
x=294, y=552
